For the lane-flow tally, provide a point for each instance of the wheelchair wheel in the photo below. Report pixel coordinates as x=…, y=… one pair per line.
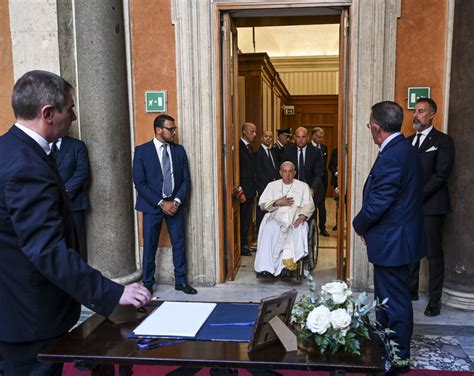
x=313, y=245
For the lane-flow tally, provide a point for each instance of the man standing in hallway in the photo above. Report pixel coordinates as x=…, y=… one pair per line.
x=390, y=223
x=283, y=141
x=162, y=180
x=309, y=162
x=73, y=165
x=436, y=150
x=266, y=168
x=43, y=280
x=248, y=184
x=317, y=139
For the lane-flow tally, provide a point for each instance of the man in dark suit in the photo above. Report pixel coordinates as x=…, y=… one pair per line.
x=73, y=165
x=390, y=223
x=317, y=139
x=43, y=280
x=248, y=184
x=309, y=162
x=162, y=180
x=283, y=141
x=266, y=168
x=436, y=151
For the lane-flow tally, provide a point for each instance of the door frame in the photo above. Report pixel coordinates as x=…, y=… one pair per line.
x=219, y=7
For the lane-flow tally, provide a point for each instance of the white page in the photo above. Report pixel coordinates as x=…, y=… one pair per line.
x=175, y=319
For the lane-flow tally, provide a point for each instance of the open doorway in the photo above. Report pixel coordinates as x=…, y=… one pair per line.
x=284, y=71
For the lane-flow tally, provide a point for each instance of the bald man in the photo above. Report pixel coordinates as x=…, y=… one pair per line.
x=248, y=184
x=309, y=163
x=266, y=168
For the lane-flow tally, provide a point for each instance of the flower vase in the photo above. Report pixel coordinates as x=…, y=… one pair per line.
x=306, y=345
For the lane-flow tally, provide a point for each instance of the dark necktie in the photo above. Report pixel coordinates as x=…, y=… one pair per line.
x=269, y=154
x=249, y=148
x=301, y=176
x=167, y=178
x=417, y=142
x=54, y=150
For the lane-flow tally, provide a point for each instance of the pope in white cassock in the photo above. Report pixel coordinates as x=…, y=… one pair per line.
x=283, y=235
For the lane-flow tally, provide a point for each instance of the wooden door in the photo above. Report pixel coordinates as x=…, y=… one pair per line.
x=343, y=162
x=231, y=136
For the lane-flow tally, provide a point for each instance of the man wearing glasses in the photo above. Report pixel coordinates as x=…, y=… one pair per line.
x=162, y=180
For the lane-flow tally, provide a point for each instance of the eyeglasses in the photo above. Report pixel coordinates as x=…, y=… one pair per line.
x=171, y=130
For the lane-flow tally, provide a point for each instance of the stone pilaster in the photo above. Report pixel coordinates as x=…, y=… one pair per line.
x=196, y=100
x=372, y=75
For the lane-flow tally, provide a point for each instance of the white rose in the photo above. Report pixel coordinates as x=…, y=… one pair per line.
x=337, y=290
x=318, y=319
x=340, y=319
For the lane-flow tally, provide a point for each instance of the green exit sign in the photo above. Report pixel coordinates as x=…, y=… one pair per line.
x=155, y=101
x=414, y=93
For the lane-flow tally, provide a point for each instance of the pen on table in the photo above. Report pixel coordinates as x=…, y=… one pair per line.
x=146, y=344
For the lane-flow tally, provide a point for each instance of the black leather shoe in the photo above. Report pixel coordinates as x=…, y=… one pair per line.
x=324, y=233
x=265, y=274
x=433, y=309
x=186, y=288
x=250, y=249
x=245, y=252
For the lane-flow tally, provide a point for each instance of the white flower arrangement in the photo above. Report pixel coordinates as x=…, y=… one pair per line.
x=333, y=320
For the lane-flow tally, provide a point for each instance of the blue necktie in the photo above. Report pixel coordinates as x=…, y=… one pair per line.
x=167, y=178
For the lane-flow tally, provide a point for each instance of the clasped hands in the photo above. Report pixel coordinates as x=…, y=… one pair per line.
x=169, y=207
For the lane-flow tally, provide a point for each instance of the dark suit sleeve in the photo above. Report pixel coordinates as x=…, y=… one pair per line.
x=333, y=167
x=443, y=167
x=183, y=190
x=81, y=170
x=38, y=222
x=384, y=189
x=144, y=189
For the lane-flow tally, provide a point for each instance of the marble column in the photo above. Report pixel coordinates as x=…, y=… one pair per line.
x=104, y=125
x=372, y=79
x=459, y=225
x=195, y=72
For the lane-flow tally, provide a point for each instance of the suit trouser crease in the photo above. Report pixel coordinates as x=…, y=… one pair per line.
x=394, y=283
x=152, y=224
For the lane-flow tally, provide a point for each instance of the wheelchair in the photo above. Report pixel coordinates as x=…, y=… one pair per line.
x=311, y=259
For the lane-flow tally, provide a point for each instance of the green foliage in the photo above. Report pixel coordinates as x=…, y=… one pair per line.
x=362, y=326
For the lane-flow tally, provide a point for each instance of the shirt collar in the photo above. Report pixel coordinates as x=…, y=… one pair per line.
x=388, y=139
x=245, y=141
x=35, y=136
x=157, y=143
x=425, y=132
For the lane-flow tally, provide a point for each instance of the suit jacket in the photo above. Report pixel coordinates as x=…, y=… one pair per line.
x=278, y=150
x=73, y=166
x=42, y=277
x=247, y=171
x=437, y=157
x=266, y=172
x=333, y=167
x=148, y=177
x=391, y=217
x=313, y=166
x=324, y=152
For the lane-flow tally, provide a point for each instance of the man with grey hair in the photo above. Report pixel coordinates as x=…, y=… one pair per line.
x=283, y=235
x=43, y=280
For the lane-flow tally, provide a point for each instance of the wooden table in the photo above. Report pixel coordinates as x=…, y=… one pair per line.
x=100, y=341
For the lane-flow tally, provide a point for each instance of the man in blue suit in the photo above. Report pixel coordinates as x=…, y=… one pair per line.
x=43, y=280
x=162, y=180
x=390, y=223
x=73, y=165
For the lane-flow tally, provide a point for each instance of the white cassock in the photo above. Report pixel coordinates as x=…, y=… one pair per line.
x=278, y=241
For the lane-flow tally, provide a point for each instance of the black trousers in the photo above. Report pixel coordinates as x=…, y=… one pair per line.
x=322, y=214
x=19, y=359
x=435, y=256
x=245, y=220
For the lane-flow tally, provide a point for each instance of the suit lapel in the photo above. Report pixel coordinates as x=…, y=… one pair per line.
x=428, y=141
x=154, y=155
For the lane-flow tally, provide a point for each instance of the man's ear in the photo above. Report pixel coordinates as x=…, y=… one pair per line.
x=47, y=112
